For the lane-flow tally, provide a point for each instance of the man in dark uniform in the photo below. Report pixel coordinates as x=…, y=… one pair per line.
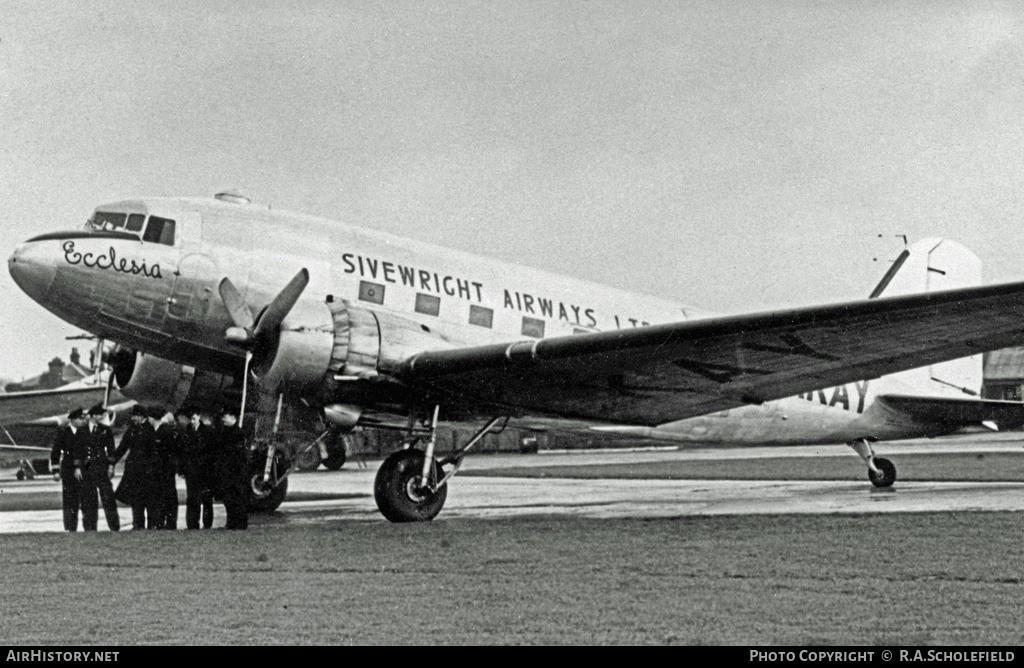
x=231, y=470
x=197, y=468
x=97, y=457
x=137, y=483
x=70, y=472
x=165, y=492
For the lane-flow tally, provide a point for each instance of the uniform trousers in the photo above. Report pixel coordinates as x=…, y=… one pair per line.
x=71, y=497
x=198, y=500
x=95, y=480
x=236, y=507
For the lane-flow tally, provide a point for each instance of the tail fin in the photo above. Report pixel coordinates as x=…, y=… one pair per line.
x=931, y=265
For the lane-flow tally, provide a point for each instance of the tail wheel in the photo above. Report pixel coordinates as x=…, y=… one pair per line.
x=399, y=490
x=886, y=475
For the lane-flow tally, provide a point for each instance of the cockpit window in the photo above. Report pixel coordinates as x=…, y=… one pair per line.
x=135, y=222
x=159, y=230
x=105, y=220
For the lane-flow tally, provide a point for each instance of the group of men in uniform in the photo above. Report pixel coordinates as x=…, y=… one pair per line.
x=212, y=459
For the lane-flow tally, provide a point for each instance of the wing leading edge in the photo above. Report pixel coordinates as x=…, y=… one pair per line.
x=662, y=373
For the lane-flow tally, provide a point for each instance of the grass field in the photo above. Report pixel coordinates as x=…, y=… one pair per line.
x=880, y=579
x=849, y=580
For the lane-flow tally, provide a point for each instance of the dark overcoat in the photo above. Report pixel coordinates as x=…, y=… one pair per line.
x=137, y=482
x=197, y=457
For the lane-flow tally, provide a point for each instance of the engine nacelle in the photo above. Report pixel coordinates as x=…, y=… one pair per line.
x=368, y=344
x=157, y=383
x=320, y=349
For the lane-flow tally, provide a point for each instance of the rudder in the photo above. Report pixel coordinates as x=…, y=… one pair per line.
x=932, y=265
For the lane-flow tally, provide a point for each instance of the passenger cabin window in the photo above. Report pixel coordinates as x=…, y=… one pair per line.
x=533, y=327
x=481, y=316
x=159, y=230
x=427, y=304
x=371, y=292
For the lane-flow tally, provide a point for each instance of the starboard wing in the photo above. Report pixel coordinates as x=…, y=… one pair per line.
x=662, y=373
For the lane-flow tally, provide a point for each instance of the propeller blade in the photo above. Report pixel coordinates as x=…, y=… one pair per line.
x=275, y=313
x=239, y=311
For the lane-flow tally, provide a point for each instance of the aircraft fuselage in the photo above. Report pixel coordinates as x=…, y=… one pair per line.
x=145, y=273
x=163, y=299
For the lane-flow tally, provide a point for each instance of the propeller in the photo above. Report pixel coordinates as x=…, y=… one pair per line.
x=250, y=332
x=258, y=336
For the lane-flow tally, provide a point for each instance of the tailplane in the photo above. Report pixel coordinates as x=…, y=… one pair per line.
x=932, y=265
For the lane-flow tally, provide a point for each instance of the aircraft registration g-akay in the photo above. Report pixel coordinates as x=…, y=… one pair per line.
x=370, y=328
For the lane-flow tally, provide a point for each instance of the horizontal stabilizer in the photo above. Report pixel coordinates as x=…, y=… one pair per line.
x=956, y=411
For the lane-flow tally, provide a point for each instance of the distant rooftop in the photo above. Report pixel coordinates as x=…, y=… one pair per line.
x=1005, y=364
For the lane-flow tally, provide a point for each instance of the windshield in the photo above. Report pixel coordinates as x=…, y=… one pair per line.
x=110, y=220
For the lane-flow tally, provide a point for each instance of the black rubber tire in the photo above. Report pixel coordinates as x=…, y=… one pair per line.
x=392, y=489
x=336, y=451
x=888, y=473
x=308, y=459
x=266, y=503
x=335, y=461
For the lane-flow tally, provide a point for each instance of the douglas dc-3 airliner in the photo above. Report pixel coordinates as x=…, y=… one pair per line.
x=370, y=328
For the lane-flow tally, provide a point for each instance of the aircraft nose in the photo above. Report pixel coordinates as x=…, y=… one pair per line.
x=33, y=268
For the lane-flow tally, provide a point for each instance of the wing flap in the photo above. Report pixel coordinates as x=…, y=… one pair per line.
x=662, y=373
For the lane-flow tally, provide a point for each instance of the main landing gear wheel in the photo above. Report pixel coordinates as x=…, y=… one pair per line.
x=335, y=461
x=886, y=475
x=336, y=451
x=398, y=490
x=307, y=457
x=263, y=499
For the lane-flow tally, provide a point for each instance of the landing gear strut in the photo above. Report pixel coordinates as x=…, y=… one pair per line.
x=268, y=480
x=881, y=471
x=411, y=485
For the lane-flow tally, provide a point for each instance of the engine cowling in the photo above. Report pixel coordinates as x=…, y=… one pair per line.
x=300, y=354
x=320, y=348
x=157, y=383
x=369, y=343
x=320, y=343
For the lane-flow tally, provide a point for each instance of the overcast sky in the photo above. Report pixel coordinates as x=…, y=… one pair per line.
x=736, y=156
